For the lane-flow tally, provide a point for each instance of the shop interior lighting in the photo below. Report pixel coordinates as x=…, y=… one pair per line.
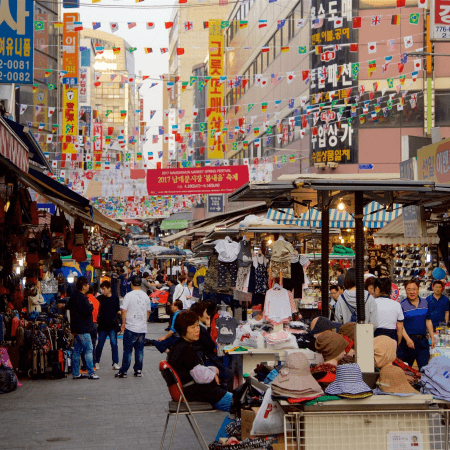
x=18, y=270
x=269, y=241
x=20, y=262
x=71, y=278
x=428, y=257
x=7, y=206
x=341, y=205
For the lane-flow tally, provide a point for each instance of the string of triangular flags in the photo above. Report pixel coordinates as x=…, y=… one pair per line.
x=316, y=22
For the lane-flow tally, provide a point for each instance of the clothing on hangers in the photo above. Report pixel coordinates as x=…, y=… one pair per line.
x=228, y=250
x=227, y=330
x=280, y=269
x=227, y=267
x=277, y=307
x=296, y=281
x=282, y=251
x=245, y=254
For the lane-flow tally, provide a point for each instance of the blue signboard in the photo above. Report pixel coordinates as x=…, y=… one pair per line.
x=85, y=58
x=49, y=207
x=215, y=203
x=16, y=41
x=70, y=80
x=365, y=166
x=71, y=4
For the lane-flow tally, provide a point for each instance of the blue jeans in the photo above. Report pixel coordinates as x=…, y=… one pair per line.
x=83, y=343
x=132, y=340
x=224, y=403
x=102, y=335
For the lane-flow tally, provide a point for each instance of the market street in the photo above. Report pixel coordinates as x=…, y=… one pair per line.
x=94, y=415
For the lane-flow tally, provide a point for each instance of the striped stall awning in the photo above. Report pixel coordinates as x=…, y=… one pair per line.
x=375, y=216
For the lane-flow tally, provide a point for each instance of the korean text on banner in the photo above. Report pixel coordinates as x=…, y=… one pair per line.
x=199, y=180
x=216, y=89
x=70, y=45
x=70, y=118
x=16, y=41
x=433, y=162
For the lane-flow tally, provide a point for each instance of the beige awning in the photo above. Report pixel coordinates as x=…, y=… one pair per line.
x=393, y=234
x=174, y=237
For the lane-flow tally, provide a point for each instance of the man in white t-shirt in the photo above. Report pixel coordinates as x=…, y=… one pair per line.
x=135, y=312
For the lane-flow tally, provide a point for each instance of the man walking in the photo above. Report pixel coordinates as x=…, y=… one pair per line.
x=135, y=312
x=81, y=326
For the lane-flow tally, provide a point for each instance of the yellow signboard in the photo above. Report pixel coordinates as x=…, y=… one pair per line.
x=70, y=118
x=216, y=90
x=433, y=162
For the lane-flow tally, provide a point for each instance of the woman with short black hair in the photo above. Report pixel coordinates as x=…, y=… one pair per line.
x=390, y=314
x=200, y=383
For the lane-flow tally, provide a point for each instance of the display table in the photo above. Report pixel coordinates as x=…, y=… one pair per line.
x=380, y=422
x=252, y=357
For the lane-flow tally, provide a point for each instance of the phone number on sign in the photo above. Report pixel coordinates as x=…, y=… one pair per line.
x=442, y=32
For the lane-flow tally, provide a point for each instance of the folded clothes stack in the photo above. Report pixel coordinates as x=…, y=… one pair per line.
x=435, y=378
x=277, y=338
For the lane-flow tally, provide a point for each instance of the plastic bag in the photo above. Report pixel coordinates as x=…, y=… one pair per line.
x=8, y=380
x=270, y=417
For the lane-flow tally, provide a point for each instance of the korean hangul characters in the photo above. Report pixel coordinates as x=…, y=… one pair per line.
x=346, y=153
x=338, y=155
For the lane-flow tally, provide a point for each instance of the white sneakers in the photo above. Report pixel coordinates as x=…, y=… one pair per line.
x=115, y=366
x=97, y=366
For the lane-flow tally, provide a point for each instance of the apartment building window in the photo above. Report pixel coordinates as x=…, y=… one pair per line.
x=276, y=43
x=442, y=102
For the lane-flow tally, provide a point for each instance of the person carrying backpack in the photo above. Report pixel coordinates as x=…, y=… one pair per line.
x=345, y=310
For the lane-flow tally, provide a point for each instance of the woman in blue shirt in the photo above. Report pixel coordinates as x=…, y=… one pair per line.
x=414, y=345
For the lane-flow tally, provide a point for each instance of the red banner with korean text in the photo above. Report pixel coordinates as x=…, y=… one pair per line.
x=215, y=89
x=197, y=180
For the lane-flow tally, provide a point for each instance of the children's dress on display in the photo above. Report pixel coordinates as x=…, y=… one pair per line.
x=277, y=307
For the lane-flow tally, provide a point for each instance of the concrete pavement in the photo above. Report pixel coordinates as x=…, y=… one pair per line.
x=105, y=414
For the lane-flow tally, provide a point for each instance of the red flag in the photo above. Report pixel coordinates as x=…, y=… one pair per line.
x=356, y=22
x=158, y=165
x=353, y=47
x=168, y=24
x=180, y=51
x=401, y=3
x=110, y=131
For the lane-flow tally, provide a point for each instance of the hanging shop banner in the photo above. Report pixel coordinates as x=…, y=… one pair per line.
x=40, y=102
x=70, y=46
x=13, y=149
x=333, y=139
x=433, y=162
x=17, y=41
x=70, y=118
x=173, y=224
x=215, y=89
x=215, y=203
x=440, y=20
x=83, y=84
x=198, y=180
x=98, y=135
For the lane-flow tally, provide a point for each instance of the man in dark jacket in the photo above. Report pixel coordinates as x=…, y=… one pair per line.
x=81, y=325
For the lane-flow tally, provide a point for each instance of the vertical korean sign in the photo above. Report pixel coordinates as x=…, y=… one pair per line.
x=215, y=90
x=333, y=138
x=70, y=93
x=16, y=41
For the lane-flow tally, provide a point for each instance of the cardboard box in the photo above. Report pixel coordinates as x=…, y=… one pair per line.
x=247, y=418
x=279, y=443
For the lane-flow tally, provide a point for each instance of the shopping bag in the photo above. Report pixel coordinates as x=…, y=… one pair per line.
x=96, y=261
x=95, y=242
x=270, y=417
x=120, y=251
x=79, y=253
